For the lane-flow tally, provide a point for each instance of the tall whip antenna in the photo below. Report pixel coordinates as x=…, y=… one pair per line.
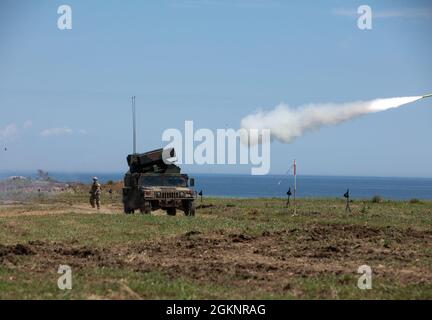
x=295, y=186
x=134, y=124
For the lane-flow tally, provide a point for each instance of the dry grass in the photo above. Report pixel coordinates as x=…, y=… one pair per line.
x=249, y=248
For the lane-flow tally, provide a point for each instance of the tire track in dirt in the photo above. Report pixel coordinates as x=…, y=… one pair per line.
x=14, y=210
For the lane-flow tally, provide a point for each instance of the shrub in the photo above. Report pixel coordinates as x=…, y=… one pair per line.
x=414, y=200
x=376, y=199
x=110, y=182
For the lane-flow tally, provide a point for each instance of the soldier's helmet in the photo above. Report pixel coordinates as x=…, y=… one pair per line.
x=95, y=179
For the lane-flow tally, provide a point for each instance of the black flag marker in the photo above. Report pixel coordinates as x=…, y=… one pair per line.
x=288, y=199
x=347, y=195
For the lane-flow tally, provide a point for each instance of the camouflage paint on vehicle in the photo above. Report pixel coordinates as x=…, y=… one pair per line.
x=152, y=183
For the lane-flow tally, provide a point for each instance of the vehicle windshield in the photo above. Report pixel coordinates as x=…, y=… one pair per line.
x=169, y=181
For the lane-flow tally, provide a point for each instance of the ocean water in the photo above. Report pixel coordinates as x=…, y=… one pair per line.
x=246, y=186
x=315, y=186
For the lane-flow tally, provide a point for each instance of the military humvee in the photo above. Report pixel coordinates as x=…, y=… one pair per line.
x=152, y=183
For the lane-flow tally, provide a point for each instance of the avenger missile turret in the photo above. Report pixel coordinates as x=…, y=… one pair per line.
x=154, y=182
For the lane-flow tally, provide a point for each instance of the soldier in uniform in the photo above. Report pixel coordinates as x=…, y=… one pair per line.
x=95, y=193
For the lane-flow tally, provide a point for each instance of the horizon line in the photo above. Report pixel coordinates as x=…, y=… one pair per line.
x=92, y=173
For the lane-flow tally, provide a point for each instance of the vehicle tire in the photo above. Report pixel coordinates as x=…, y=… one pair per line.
x=192, y=209
x=128, y=210
x=146, y=208
x=189, y=208
x=171, y=211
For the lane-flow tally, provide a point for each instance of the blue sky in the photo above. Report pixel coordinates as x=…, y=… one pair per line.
x=65, y=95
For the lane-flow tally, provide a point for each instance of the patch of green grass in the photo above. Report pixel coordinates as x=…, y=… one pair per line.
x=251, y=216
x=240, y=216
x=102, y=283
x=345, y=287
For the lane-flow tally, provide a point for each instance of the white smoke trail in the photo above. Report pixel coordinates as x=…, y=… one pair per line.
x=286, y=123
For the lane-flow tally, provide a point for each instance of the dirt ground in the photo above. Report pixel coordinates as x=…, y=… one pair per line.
x=19, y=209
x=252, y=245
x=268, y=260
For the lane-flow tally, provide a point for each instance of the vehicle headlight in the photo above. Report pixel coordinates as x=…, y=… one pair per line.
x=148, y=193
x=158, y=194
x=182, y=194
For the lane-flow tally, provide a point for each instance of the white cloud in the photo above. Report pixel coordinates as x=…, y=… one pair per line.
x=405, y=13
x=9, y=131
x=62, y=131
x=345, y=12
x=388, y=13
x=56, y=132
x=28, y=124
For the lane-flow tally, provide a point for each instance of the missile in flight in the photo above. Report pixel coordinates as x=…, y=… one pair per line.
x=427, y=96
